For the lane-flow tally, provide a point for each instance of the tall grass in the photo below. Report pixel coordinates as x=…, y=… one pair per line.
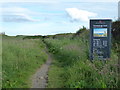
x=72, y=68
x=21, y=58
x=0, y=61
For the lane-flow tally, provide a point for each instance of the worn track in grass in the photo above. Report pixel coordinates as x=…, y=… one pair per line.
x=40, y=78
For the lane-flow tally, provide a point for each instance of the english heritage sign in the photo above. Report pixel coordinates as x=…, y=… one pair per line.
x=100, y=38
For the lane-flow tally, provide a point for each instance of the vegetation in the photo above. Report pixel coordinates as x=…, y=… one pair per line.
x=72, y=68
x=116, y=35
x=20, y=59
x=32, y=37
x=116, y=30
x=0, y=61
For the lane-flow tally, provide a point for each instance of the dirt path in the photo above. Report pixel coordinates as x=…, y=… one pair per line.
x=40, y=78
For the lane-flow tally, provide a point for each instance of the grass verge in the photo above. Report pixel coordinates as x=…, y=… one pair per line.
x=20, y=59
x=71, y=67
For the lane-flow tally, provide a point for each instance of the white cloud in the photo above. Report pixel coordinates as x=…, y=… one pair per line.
x=90, y=0
x=17, y=18
x=17, y=14
x=79, y=15
x=17, y=10
x=57, y=1
x=40, y=1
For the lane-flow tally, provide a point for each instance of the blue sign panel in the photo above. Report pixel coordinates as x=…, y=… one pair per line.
x=100, y=38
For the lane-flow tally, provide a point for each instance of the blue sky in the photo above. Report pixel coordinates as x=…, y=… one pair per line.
x=100, y=30
x=46, y=17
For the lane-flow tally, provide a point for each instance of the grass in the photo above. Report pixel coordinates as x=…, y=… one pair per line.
x=71, y=67
x=0, y=61
x=20, y=59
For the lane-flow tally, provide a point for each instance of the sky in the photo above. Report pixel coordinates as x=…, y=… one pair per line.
x=100, y=30
x=48, y=17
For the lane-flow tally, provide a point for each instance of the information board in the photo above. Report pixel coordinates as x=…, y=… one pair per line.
x=100, y=38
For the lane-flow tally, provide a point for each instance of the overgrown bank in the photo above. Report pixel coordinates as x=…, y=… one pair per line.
x=72, y=68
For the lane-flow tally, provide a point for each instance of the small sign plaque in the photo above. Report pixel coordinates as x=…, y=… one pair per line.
x=100, y=38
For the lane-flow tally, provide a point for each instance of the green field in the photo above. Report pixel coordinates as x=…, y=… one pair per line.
x=70, y=68
x=20, y=59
